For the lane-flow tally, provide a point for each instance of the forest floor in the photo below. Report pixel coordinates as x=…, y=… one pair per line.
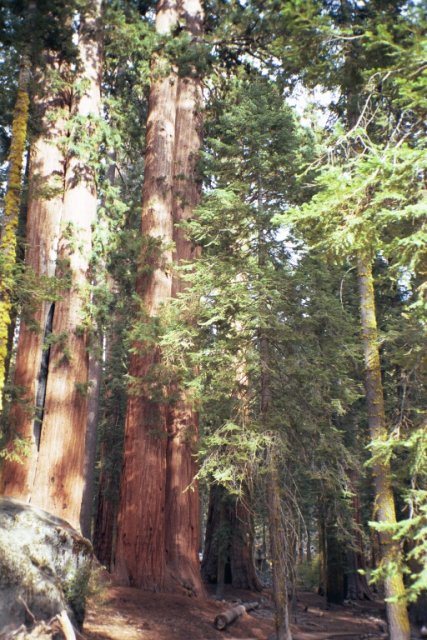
x=121, y=613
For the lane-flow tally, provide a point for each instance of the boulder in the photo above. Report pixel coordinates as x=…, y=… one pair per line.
x=45, y=567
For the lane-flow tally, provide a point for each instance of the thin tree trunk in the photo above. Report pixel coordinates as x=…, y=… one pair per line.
x=278, y=551
x=210, y=552
x=397, y=614
x=111, y=445
x=334, y=566
x=243, y=573
x=20, y=258
x=274, y=507
x=357, y=583
x=12, y=202
x=95, y=374
x=222, y=546
x=106, y=513
x=140, y=550
x=322, y=551
x=308, y=545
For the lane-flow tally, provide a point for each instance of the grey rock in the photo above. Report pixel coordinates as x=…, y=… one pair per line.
x=45, y=566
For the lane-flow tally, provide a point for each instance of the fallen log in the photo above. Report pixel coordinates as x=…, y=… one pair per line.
x=222, y=620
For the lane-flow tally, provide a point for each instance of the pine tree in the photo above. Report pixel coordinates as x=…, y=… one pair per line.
x=358, y=227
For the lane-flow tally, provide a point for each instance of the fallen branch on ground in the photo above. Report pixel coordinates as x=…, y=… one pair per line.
x=227, y=617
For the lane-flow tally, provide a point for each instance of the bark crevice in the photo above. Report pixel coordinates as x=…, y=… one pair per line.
x=42, y=377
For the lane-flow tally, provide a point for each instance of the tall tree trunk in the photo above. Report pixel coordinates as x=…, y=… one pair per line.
x=157, y=546
x=278, y=552
x=334, y=566
x=230, y=525
x=278, y=548
x=357, y=583
x=53, y=476
x=106, y=513
x=59, y=480
x=397, y=614
x=45, y=200
x=11, y=213
x=95, y=374
x=140, y=550
x=182, y=504
x=243, y=573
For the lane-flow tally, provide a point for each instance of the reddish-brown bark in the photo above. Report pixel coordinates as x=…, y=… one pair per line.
x=59, y=479
x=182, y=503
x=54, y=479
x=46, y=178
x=140, y=549
x=158, y=537
x=106, y=515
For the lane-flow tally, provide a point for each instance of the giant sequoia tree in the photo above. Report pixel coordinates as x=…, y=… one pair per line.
x=158, y=537
x=52, y=359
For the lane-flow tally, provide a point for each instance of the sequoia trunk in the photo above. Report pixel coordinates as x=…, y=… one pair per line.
x=52, y=476
x=397, y=614
x=140, y=550
x=182, y=502
x=45, y=200
x=158, y=538
x=59, y=479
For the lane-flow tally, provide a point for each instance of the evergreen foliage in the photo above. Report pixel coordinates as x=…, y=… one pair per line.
x=264, y=338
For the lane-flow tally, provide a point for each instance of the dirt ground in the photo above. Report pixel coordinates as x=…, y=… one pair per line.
x=121, y=613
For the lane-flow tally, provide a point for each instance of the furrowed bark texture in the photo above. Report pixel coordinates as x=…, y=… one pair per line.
x=140, y=550
x=182, y=503
x=397, y=614
x=55, y=482
x=45, y=200
x=157, y=545
x=59, y=481
x=106, y=517
x=12, y=203
x=158, y=538
x=238, y=530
